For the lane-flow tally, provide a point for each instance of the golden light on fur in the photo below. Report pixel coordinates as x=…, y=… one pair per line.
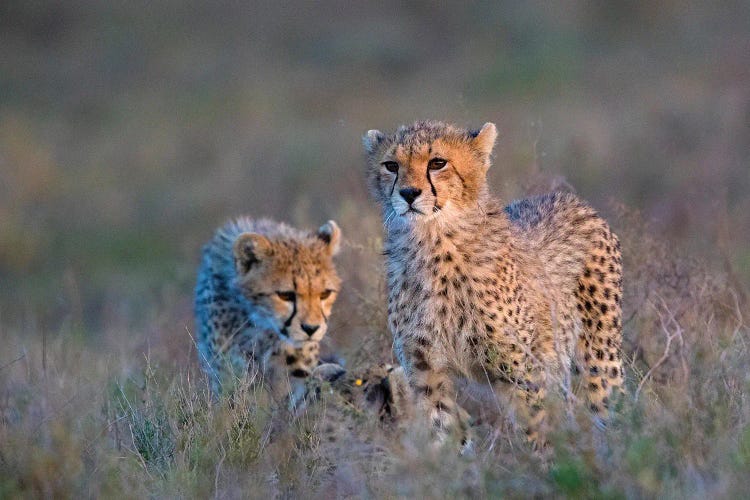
x=509, y=295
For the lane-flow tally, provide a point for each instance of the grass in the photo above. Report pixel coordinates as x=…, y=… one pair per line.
x=120, y=418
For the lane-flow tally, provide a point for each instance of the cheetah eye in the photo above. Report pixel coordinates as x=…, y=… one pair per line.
x=390, y=166
x=436, y=164
x=287, y=296
x=326, y=294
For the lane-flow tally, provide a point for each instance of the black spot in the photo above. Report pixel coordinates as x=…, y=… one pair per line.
x=592, y=289
x=588, y=305
x=290, y=360
x=423, y=341
x=300, y=373
x=420, y=362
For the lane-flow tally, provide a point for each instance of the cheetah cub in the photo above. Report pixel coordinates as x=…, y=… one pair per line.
x=264, y=294
x=506, y=295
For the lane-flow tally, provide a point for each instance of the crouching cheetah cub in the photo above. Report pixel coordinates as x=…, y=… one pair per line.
x=505, y=295
x=264, y=294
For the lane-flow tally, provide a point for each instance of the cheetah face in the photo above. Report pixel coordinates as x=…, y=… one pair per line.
x=292, y=284
x=429, y=169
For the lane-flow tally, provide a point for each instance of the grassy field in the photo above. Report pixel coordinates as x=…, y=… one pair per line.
x=128, y=132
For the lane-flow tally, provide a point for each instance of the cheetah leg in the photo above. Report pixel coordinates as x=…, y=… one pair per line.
x=529, y=395
x=599, y=297
x=435, y=399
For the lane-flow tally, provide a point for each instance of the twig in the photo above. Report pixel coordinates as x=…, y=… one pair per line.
x=217, y=474
x=19, y=358
x=665, y=355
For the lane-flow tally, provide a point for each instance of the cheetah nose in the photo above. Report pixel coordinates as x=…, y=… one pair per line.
x=310, y=329
x=410, y=194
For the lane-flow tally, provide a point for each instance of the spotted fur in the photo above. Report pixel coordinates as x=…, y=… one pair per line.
x=262, y=302
x=506, y=295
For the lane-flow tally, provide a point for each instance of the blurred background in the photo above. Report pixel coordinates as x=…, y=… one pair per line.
x=130, y=130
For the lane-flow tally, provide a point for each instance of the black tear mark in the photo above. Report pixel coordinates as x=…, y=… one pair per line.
x=288, y=322
x=432, y=186
x=393, y=188
x=436, y=206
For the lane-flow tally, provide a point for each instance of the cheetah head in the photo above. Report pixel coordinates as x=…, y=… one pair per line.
x=291, y=282
x=428, y=169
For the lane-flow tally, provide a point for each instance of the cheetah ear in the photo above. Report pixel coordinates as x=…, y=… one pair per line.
x=249, y=250
x=372, y=140
x=484, y=141
x=330, y=234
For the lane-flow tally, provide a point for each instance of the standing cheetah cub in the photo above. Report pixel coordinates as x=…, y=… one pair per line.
x=499, y=294
x=262, y=302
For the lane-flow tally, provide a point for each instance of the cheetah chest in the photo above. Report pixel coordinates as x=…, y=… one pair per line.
x=467, y=307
